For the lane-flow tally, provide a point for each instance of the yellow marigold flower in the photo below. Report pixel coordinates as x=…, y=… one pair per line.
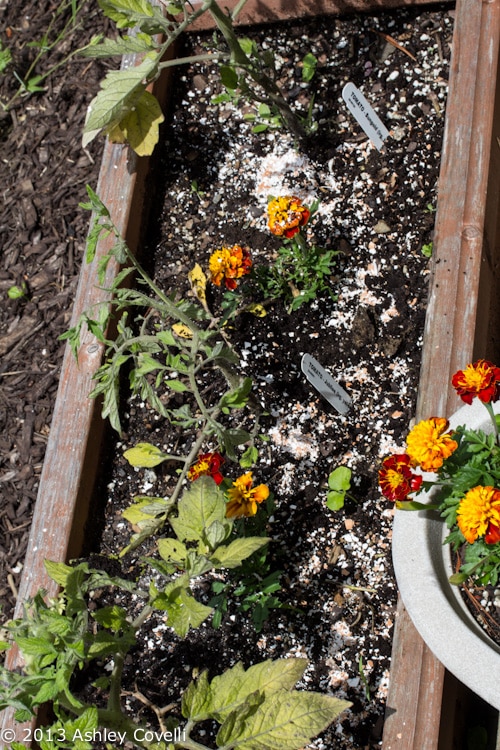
x=243, y=498
x=287, y=215
x=229, y=264
x=479, y=508
x=428, y=444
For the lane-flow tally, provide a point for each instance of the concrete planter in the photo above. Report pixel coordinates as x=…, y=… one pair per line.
x=423, y=566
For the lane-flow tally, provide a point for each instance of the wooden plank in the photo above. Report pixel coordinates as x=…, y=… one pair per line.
x=452, y=337
x=458, y=241
x=257, y=12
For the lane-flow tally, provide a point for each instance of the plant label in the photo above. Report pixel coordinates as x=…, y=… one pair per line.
x=364, y=113
x=325, y=384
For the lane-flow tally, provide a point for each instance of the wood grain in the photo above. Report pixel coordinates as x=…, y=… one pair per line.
x=464, y=272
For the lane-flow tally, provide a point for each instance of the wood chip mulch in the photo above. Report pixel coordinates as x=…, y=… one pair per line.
x=44, y=170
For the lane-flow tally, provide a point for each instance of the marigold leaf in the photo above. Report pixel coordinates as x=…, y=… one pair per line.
x=458, y=578
x=414, y=505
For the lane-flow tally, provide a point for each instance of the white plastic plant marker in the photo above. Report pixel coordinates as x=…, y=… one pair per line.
x=365, y=115
x=325, y=384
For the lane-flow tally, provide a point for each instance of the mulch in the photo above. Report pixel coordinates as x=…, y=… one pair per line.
x=42, y=237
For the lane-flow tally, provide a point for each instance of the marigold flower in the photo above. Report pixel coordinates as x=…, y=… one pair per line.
x=243, y=498
x=229, y=264
x=208, y=464
x=286, y=215
x=492, y=535
x=479, y=509
x=481, y=379
x=428, y=444
x=396, y=478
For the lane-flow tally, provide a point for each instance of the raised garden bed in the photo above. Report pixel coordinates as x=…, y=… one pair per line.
x=81, y=455
x=460, y=324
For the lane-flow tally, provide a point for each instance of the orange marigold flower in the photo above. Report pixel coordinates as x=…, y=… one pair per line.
x=428, y=444
x=208, y=464
x=229, y=264
x=479, y=509
x=481, y=379
x=396, y=478
x=286, y=215
x=243, y=498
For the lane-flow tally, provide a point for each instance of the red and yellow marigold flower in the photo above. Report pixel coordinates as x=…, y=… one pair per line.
x=243, y=498
x=428, y=444
x=208, y=464
x=479, y=513
x=481, y=379
x=492, y=535
x=286, y=215
x=229, y=264
x=396, y=479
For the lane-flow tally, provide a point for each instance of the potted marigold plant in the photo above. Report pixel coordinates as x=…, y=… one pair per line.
x=453, y=468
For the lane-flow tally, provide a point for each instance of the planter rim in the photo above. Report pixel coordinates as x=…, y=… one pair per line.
x=422, y=566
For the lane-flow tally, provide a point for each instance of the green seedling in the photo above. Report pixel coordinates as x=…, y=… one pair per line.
x=364, y=678
x=309, y=65
x=17, y=292
x=339, y=483
x=5, y=57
